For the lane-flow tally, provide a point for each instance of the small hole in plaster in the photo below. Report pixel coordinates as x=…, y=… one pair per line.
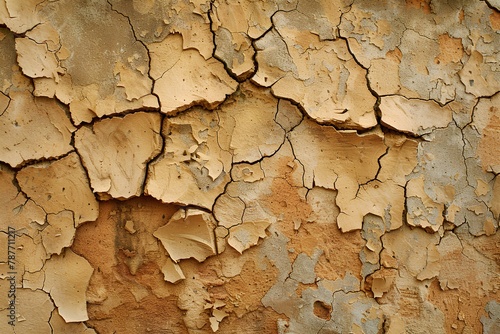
x=322, y=310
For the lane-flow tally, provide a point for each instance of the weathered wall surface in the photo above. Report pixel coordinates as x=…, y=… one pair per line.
x=286, y=166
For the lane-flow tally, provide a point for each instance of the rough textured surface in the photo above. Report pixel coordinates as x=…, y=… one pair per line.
x=250, y=166
x=194, y=166
x=301, y=59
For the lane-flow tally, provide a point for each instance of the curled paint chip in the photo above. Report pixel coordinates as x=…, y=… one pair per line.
x=189, y=233
x=413, y=116
x=172, y=272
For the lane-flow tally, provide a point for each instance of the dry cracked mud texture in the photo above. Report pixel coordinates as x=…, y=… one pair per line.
x=285, y=166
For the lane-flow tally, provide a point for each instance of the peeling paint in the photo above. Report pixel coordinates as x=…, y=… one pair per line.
x=258, y=166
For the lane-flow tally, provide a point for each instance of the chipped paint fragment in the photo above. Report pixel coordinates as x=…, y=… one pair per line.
x=66, y=279
x=413, y=116
x=172, y=272
x=194, y=166
x=60, y=185
x=189, y=233
x=33, y=129
x=115, y=152
x=181, y=77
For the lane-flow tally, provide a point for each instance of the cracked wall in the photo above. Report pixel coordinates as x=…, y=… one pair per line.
x=298, y=166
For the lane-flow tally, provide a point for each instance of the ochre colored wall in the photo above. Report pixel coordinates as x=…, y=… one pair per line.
x=246, y=166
